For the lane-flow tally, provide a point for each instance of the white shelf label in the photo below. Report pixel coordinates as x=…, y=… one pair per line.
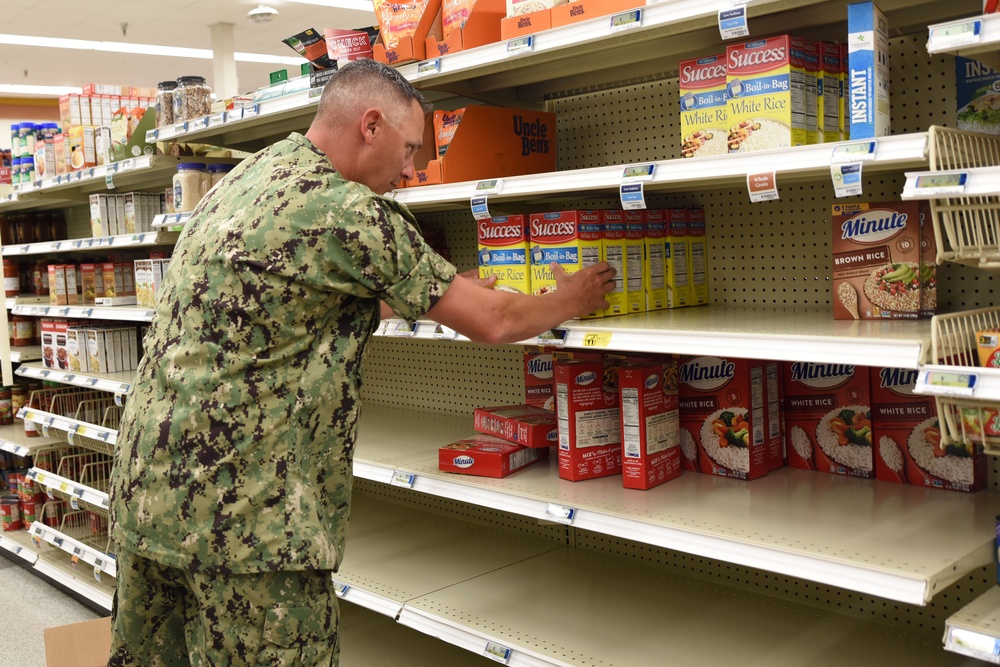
x=553, y=337
x=404, y=479
x=340, y=588
x=559, y=513
x=497, y=652
x=97, y=574
x=977, y=644
x=951, y=383
x=217, y=119
x=490, y=187
x=73, y=503
x=234, y=114
x=480, y=209
x=442, y=332
x=401, y=329
x=632, y=196
x=733, y=23
x=432, y=66
x=846, y=179
x=521, y=45
x=199, y=123
x=626, y=21
x=942, y=184
x=855, y=151
x=762, y=187
x=638, y=172
x=959, y=33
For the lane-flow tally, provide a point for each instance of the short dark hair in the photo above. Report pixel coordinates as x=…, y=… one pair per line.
x=370, y=76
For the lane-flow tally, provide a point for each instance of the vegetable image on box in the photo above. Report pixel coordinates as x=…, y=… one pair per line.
x=231, y=488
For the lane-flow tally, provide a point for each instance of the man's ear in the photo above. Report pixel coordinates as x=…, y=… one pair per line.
x=370, y=121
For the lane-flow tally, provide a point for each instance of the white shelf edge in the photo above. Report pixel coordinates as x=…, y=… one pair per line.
x=90, y=174
x=979, y=182
x=87, y=591
x=122, y=313
x=84, y=493
x=74, y=547
x=973, y=631
x=19, y=550
x=138, y=239
x=47, y=420
x=989, y=36
x=87, y=380
x=380, y=604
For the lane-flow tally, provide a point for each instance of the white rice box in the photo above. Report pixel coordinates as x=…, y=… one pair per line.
x=829, y=99
x=573, y=239
x=697, y=257
x=828, y=418
x=635, y=251
x=977, y=88
x=613, y=222
x=655, y=260
x=676, y=258
x=503, y=252
x=704, y=107
x=766, y=86
x=868, y=73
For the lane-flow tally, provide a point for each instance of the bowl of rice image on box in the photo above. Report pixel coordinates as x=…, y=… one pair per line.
x=803, y=445
x=844, y=437
x=725, y=437
x=689, y=450
x=891, y=454
x=931, y=464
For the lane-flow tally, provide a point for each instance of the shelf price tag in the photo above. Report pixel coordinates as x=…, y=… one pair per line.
x=497, y=653
x=74, y=503
x=626, y=21
x=632, y=196
x=521, y=45
x=401, y=329
x=404, y=479
x=152, y=135
x=480, y=209
x=553, y=337
x=597, y=339
x=855, y=151
x=199, y=123
x=638, y=172
x=217, y=119
x=951, y=183
x=559, y=513
x=490, y=187
x=340, y=588
x=432, y=66
x=762, y=187
x=846, y=179
x=441, y=332
x=97, y=574
x=733, y=23
x=251, y=111
x=944, y=383
x=958, y=33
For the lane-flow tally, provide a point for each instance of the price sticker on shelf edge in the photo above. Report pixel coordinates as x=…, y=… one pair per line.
x=959, y=33
x=490, y=187
x=553, y=337
x=74, y=503
x=340, y=588
x=632, y=196
x=950, y=183
x=846, y=179
x=432, y=66
x=597, y=339
x=71, y=437
x=404, y=479
x=521, y=45
x=733, y=23
x=97, y=574
x=441, y=332
x=626, y=21
x=497, y=652
x=109, y=176
x=234, y=114
x=401, y=328
x=762, y=187
x=951, y=384
x=855, y=151
x=217, y=119
x=480, y=210
x=559, y=513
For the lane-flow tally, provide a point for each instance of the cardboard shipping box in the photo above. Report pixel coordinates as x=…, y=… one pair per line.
x=85, y=644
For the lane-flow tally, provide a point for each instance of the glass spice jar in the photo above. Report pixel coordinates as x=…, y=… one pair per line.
x=165, y=103
x=192, y=98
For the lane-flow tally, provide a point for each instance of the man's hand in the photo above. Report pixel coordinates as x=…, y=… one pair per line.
x=586, y=287
x=473, y=275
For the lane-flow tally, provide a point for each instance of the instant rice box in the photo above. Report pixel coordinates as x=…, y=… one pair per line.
x=697, y=257
x=635, y=269
x=539, y=381
x=828, y=417
x=651, y=453
x=521, y=424
x=977, y=88
x=503, y=252
x=878, y=271
x=589, y=418
x=907, y=437
x=572, y=239
x=723, y=428
x=703, y=106
x=487, y=456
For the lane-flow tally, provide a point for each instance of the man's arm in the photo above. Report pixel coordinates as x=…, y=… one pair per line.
x=498, y=317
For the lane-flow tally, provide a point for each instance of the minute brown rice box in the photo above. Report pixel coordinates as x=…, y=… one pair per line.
x=828, y=417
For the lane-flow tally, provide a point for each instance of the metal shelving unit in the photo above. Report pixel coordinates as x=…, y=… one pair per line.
x=117, y=383
x=123, y=313
x=140, y=240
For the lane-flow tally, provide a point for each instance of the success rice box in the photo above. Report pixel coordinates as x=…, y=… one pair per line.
x=503, y=252
x=573, y=239
x=908, y=438
x=697, y=257
x=766, y=84
x=655, y=263
x=635, y=257
x=589, y=413
x=521, y=424
x=651, y=453
x=868, y=71
x=723, y=425
x=613, y=223
x=828, y=418
x=487, y=456
x=539, y=381
x=676, y=257
x=704, y=106
x=878, y=271
x=829, y=94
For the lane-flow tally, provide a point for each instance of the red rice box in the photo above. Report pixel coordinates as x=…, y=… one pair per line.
x=877, y=261
x=590, y=433
x=522, y=424
x=486, y=456
x=829, y=418
x=539, y=382
x=908, y=438
x=722, y=425
x=651, y=453
x=775, y=434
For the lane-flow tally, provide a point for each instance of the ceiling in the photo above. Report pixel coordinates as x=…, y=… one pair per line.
x=183, y=23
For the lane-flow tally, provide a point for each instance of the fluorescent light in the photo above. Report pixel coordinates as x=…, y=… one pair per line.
x=142, y=49
x=357, y=5
x=23, y=89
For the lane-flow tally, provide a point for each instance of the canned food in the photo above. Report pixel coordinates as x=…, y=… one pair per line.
x=28, y=513
x=10, y=513
x=98, y=524
x=52, y=512
x=26, y=488
x=14, y=481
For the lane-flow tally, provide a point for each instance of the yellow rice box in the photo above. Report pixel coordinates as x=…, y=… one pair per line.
x=572, y=239
x=703, y=110
x=830, y=96
x=808, y=53
x=614, y=254
x=503, y=252
x=845, y=125
x=766, y=87
x=655, y=259
x=697, y=257
x=676, y=257
x=635, y=247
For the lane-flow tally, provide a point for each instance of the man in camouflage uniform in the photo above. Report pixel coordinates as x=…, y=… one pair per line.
x=232, y=482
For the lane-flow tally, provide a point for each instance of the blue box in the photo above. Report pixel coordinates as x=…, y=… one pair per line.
x=868, y=71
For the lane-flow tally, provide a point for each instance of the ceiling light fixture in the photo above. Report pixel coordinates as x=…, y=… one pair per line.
x=356, y=5
x=262, y=14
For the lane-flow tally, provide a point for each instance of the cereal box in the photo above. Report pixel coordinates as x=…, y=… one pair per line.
x=876, y=260
x=487, y=456
x=635, y=252
x=723, y=424
x=613, y=222
x=868, y=73
x=521, y=424
x=704, y=106
x=829, y=418
x=655, y=260
x=766, y=85
x=539, y=381
x=908, y=438
x=651, y=453
x=503, y=252
x=828, y=94
x=573, y=239
x=697, y=257
x=589, y=413
x=678, y=286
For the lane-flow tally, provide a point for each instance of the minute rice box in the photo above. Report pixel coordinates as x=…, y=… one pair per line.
x=589, y=414
x=723, y=426
x=908, y=438
x=828, y=418
x=487, y=456
x=651, y=453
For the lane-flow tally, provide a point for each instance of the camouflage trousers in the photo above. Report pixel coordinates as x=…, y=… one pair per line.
x=165, y=616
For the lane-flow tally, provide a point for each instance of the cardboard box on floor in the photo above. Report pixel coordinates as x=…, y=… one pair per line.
x=84, y=644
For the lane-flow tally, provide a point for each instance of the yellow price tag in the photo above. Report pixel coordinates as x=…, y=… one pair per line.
x=64, y=487
x=597, y=339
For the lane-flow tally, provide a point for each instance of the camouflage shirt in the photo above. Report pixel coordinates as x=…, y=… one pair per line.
x=235, y=447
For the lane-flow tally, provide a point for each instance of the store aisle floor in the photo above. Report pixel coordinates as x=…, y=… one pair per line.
x=30, y=605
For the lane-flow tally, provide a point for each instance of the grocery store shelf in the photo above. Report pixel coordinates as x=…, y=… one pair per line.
x=121, y=313
x=171, y=222
x=49, y=422
x=73, y=489
x=19, y=543
x=899, y=152
x=72, y=545
x=969, y=37
x=119, y=383
x=766, y=332
x=83, y=580
x=82, y=245
x=974, y=182
x=382, y=577
x=641, y=616
x=905, y=543
x=974, y=630
x=982, y=384
x=14, y=440
x=27, y=353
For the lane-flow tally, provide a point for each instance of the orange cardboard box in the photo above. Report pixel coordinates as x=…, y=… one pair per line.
x=526, y=24
x=411, y=48
x=482, y=27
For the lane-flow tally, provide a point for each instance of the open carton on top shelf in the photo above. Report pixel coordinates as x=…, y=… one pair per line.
x=489, y=143
x=482, y=27
x=409, y=49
